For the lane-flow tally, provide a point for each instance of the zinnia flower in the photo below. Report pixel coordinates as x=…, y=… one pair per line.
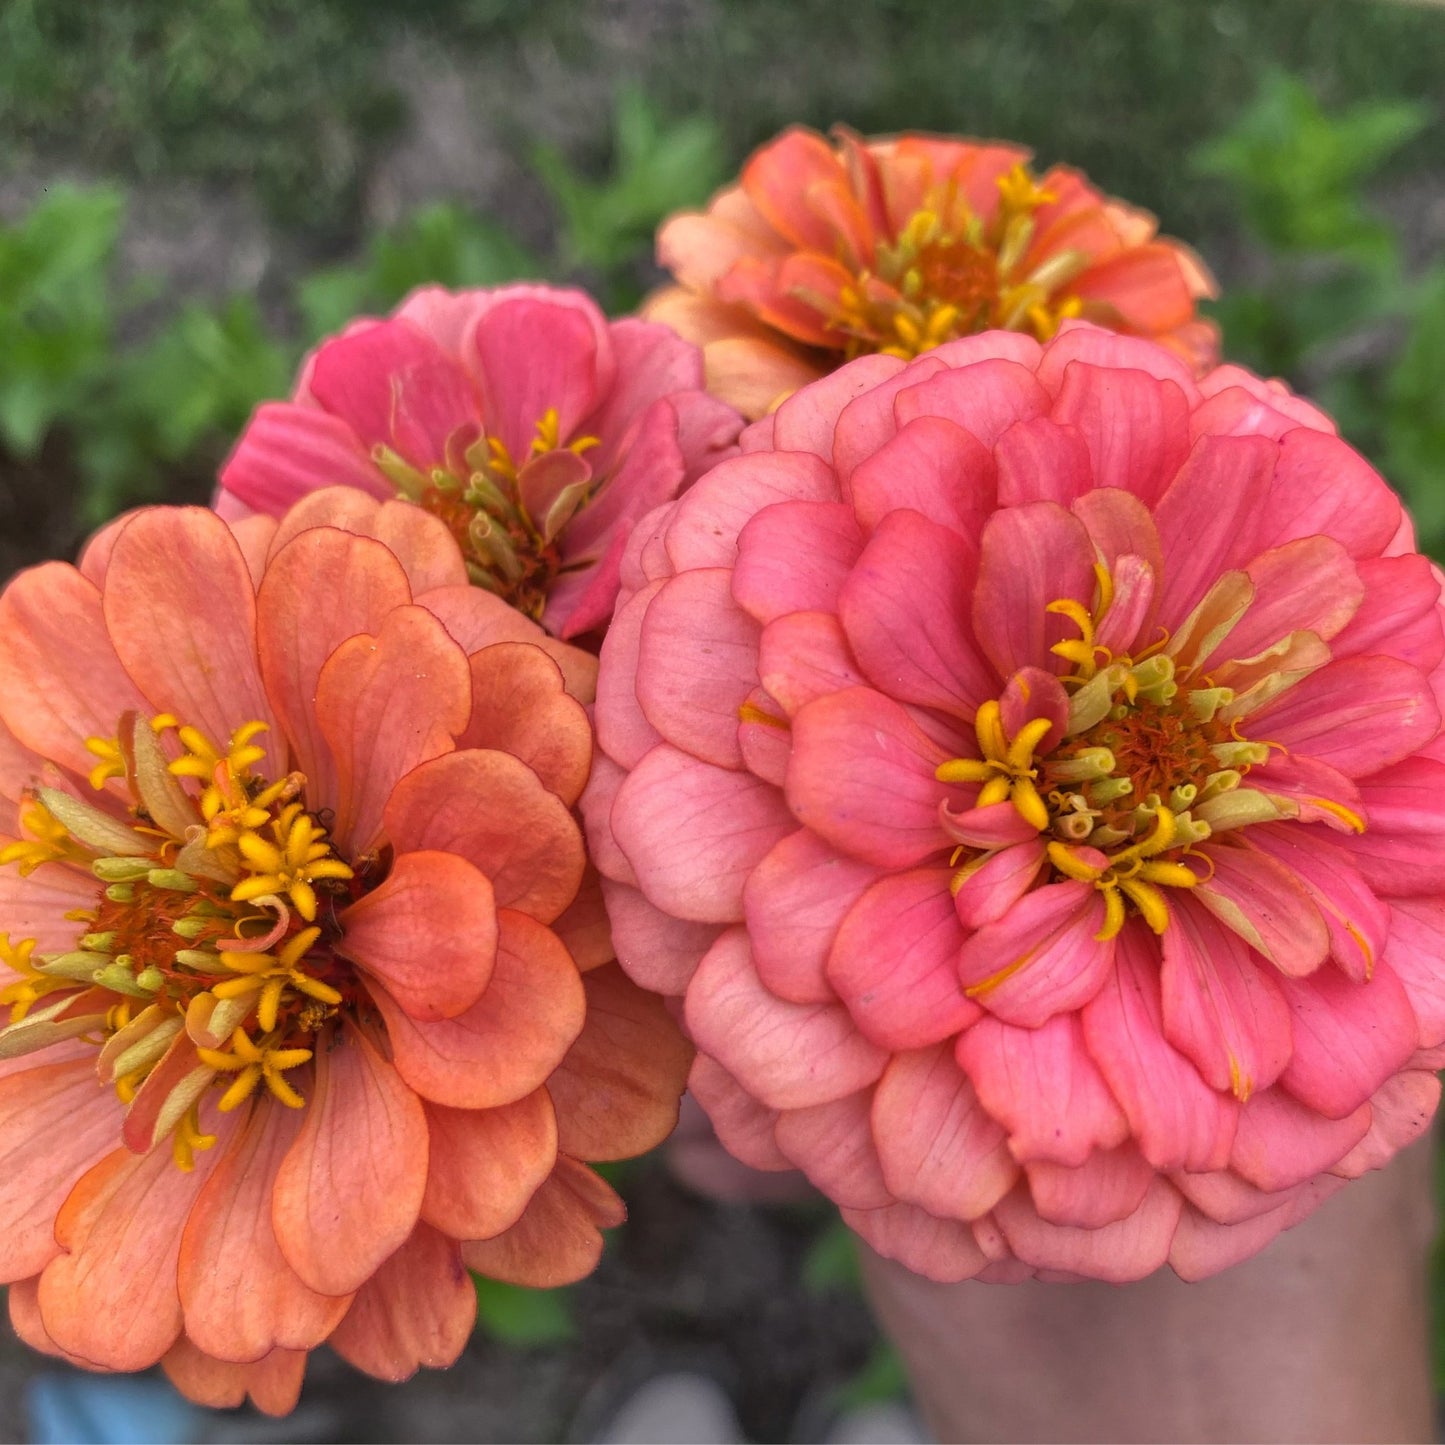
x=536, y=429
x=289, y=907
x=1026, y=762
x=823, y=253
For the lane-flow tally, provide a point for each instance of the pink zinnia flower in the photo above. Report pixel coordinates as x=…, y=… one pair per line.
x=827, y=251
x=1026, y=763
x=293, y=921
x=536, y=429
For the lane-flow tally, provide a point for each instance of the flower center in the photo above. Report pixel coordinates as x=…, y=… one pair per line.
x=506, y=516
x=949, y=274
x=207, y=959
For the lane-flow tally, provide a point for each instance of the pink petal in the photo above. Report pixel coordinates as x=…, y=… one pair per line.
x=939, y=1249
x=868, y=422
x=985, y=398
x=1348, y=1037
x=1040, y=959
x=1323, y=486
x=1202, y=1248
x=658, y=951
x=703, y=531
x=356, y=1170
x=320, y=589
x=788, y=1055
x=1359, y=715
x=418, y=1309
x=1402, y=850
x=1176, y=1119
x=492, y=810
x=1358, y=921
x=904, y=610
x=428, y=934
x=693, y=832
x=1080, y=342
x=1209, y=518
x=1416, y=955
x=1126, y=1250
x=386, y=703
x=1261, y=900
x=623, y=731
x=510, y=1040
x=1281, y=1143
x=894, y=962
x=287, y=451
x=1043, y=1087
x=933, y=467
x=997, y=886
x=793, y=902
x=939, y=1148
x=1108, y=1186
x=35, y=907
x=861, y=777
x=240, y=1296
x=485, y=1164
x=804, y=656
x=1029, y=556
x=832, y=1145
x=697, y=663
x=744, y=1126
x=1400, y=613
x=806, y=421
x=1135, y=427
x=794, y=557
x=1401, y=1110
x=1040, y=461
x=1221, y=1008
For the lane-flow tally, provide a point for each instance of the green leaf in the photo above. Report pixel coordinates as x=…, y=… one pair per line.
x=524, y=1318
x=831, y=1262
x=881, y=1379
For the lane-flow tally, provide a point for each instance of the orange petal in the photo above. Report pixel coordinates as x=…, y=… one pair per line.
x=386, y=703
x=418, y=1309
x=778, y=177
x=349, y=1188
x=755, y=376
x=273, y=1382
x=30, y=1328
x=493, y=810
x=240, y=1298
x=558, y=1240
x=60, y=679
x=56, y=1121
x=418, y=540
x=617, y=1092
x=487, y=1163
x=428, y=933
x=520, y=706
x=477, y=619
x=180, y=607
x=584, y=926
x=111, y=1299
x=321, y=588
x=507, y=1043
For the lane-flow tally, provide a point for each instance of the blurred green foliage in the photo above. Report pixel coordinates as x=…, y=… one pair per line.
x=522, y=1318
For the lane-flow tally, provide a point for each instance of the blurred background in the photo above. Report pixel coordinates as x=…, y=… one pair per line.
x=194, y=191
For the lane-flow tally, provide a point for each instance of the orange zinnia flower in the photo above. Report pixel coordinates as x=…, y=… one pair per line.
x=309, y=1007
x=828, y=252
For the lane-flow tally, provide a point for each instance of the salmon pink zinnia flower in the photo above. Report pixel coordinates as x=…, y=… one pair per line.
x=1026, y=762
x=288, y=884
x=827, y=252
x=536, y=429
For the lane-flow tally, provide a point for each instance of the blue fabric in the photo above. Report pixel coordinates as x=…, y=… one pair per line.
x=72, y=1408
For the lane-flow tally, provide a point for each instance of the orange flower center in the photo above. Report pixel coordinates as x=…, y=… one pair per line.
x=208, y=936
x=506, y=517
x=950, y=273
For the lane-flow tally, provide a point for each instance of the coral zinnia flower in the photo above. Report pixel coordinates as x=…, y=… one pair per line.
x=288, y=883
x=1026, y=762
x=536, y=429
x=827, y=252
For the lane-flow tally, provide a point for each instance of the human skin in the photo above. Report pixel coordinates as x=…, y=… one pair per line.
x=1321, y=1337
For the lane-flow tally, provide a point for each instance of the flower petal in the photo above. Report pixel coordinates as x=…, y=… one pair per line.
x=1262, y=901
x=933, y=467
x=273, y=1382
x=617, y=1090
x=1281, y=1143
x=794, y=557
x=510, y=1040
x=427, y=933
x=349, y=1188
x=939, y=1249
x=1108, y=1186
x=832, y=1144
